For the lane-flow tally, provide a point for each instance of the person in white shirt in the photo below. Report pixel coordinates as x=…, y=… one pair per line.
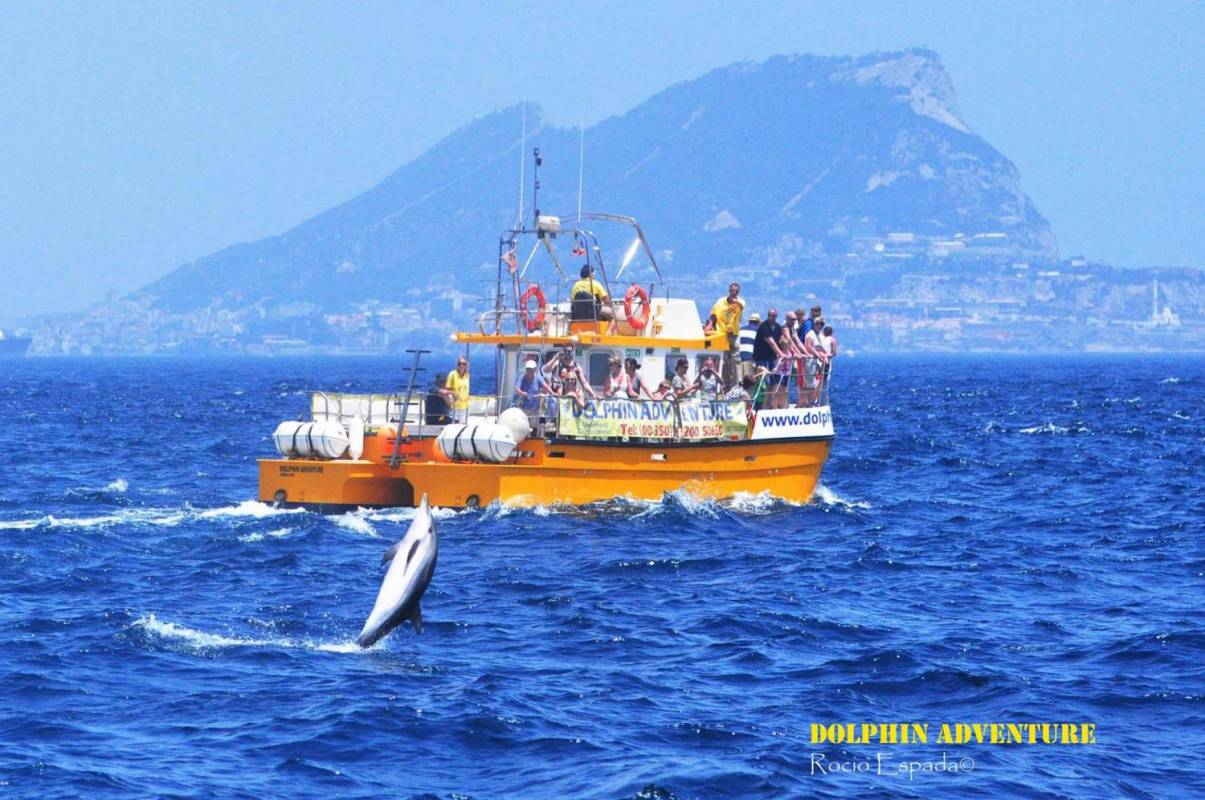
x=615, y=386
x=816, y=359
x=829, y=341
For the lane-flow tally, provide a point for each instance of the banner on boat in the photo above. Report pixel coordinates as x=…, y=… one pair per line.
x=793, y=423
x=657, y=419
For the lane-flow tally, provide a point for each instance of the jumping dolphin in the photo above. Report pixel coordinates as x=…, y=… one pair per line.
x=408, y=577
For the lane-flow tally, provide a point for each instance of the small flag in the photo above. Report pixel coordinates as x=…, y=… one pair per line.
x=512, y=263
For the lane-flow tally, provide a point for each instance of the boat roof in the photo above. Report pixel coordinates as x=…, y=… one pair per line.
x=711, y=341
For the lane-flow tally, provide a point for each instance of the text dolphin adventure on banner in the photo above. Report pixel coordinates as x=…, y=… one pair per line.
x=661, y=419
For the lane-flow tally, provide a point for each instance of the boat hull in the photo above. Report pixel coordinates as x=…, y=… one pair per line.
x=550, y=472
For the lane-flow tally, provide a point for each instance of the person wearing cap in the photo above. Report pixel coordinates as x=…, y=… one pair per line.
x=748, y=339
x=530, y=386
x=726, y=319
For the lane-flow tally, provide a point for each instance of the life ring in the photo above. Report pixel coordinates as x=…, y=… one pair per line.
x=637, y=322
x=533, y=323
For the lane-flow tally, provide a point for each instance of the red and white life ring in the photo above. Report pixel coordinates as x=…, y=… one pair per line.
x=533, y=323
x=637, y=321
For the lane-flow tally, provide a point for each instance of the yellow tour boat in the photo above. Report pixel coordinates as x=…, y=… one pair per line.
x=382, y=450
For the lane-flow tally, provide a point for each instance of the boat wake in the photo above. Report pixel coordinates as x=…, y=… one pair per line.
x=162, y=517
x=193, y=640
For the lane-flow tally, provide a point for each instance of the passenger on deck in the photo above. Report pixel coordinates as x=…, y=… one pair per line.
x=780, y=379
x=589, y=290
x=679, y=385
x=562, y=361
x=615, y=385
x=665, y=391
x=742, y=391
x=791, y=326
x=814, y=363
x=529, y=388
x=811, y=321
x=829, y=343
x=636, y=385
x=761, y=387
x=573, y=386
x=726, y=318
x=456, y=389
x=707, y=384
x=748, y=338
x=435, y=407
x=765, y=350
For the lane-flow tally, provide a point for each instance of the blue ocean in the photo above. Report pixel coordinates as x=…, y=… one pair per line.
x=994, y=540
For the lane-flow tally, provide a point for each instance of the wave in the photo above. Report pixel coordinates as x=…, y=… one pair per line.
x=259, y=537
x=145, y=516
x=1172, y=379
x=248, y=508
x=166, y=517
x=405, y=514
x=200, y=641
x=826, y=496
x=1180, y=415
x=118, y=486
x=353, y=521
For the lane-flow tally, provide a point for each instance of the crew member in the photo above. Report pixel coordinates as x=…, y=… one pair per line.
x=726, y=314
x=587, y=288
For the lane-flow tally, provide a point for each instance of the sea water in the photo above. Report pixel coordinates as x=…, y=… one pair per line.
x=993, y=540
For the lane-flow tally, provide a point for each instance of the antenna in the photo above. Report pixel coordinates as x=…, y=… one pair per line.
x=522, y=165
x=581, y=167
x=535, y=190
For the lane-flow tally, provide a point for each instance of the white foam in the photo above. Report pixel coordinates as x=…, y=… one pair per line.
x=1170, y=380
x=200, y=640
x=118, y=486
x=405, y=514
x=1180, y=415
x=248, y=508
x=352, y=521
x=828, y=497
x=750, y=503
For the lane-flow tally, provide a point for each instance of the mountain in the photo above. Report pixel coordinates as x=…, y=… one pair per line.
x=798, y=160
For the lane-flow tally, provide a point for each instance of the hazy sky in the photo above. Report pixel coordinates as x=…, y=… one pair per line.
x=140, y=136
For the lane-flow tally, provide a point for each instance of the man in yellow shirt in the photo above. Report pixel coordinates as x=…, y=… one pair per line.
x=726, y=319
x=456, y=389
x=588, y=285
